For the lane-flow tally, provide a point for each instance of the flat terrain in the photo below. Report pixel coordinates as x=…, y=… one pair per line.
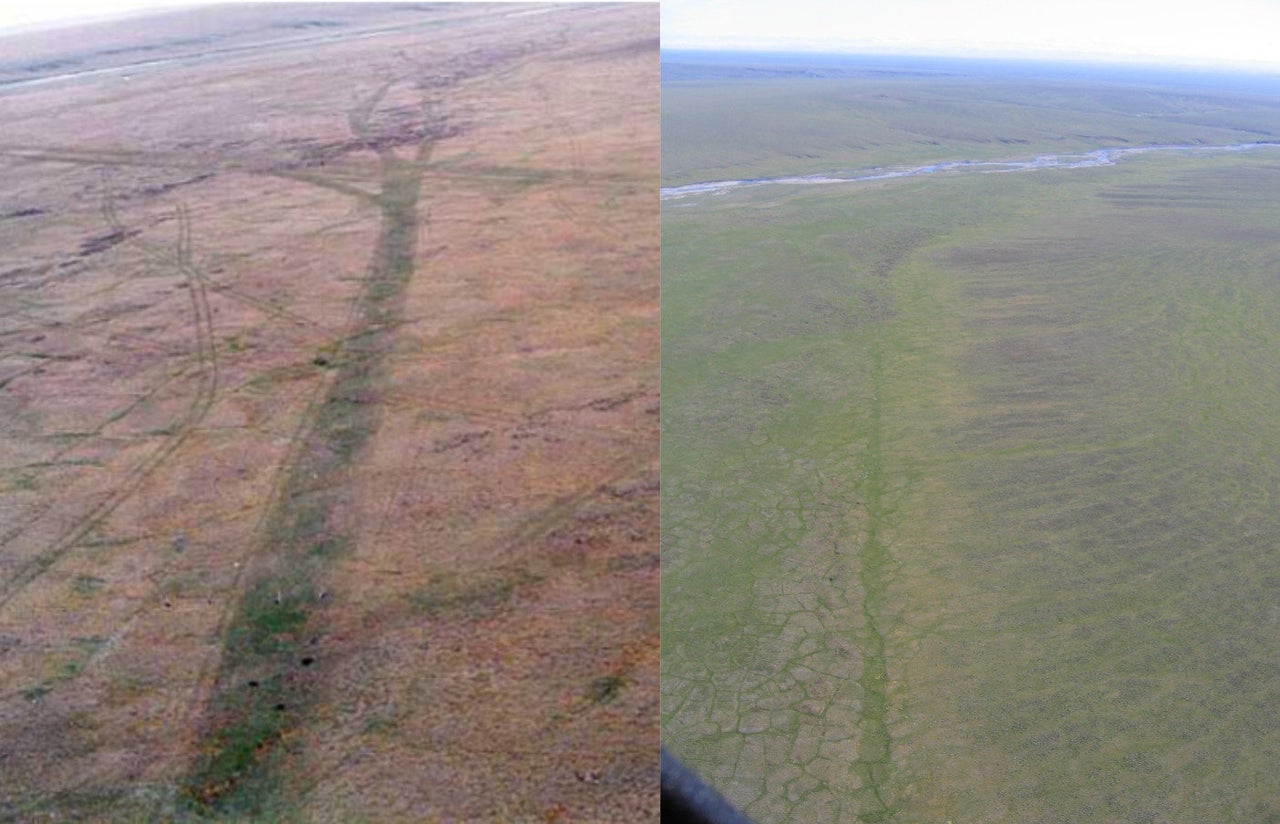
x=969, y=500
x=771, y=117
x=328, y=416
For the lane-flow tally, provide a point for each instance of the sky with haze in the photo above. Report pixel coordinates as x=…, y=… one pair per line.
x=42, y=13
x=1236, y=32
x=1244, y=33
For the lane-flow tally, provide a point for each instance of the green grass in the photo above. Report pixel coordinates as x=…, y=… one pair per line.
x=271, y=620
x=86, y=584
x=968, y=492
x=22, y=481
x=605, y=690
x=36, y=692
x=239, y=779
x=473, y=598
x=81, y=650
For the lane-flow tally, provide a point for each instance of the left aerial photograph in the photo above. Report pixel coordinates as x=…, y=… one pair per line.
x=329, y=415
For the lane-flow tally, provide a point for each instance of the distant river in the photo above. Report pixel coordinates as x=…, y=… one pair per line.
x=1097, y=157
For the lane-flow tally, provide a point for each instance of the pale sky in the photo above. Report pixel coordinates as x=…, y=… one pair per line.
x=24, y=13
x=1239, y=32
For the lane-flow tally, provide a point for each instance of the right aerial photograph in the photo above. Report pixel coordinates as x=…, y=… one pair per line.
x=971, y=412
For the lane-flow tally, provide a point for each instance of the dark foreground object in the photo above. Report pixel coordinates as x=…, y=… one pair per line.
x=686, y=800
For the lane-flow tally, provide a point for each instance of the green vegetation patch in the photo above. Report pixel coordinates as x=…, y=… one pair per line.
x=262, y=696
x=272, y=618
x=965, y=494
x=606, y=689
x=471, y=598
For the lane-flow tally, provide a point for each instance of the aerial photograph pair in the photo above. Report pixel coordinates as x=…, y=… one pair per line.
x=332, y=343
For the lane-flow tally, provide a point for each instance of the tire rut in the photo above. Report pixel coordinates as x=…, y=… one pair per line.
x=207, y=357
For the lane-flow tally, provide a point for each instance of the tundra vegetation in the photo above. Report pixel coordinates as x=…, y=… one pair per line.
x=328, y=415
x=969, y=501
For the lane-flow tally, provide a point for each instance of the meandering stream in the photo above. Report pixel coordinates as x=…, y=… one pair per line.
x=1097, y=157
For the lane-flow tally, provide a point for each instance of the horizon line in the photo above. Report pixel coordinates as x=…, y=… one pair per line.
x=1083, y=58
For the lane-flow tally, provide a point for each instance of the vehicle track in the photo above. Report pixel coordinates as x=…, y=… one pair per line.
x=307, y=479
x=570, y=137
x=181, y=373
x=874, y=762
x=318, y=448
x=365, y=334
x=181, y=259
x=206, y=354
x=169, y=259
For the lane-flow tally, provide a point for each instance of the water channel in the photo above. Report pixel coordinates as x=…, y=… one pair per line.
x=1097, y=157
